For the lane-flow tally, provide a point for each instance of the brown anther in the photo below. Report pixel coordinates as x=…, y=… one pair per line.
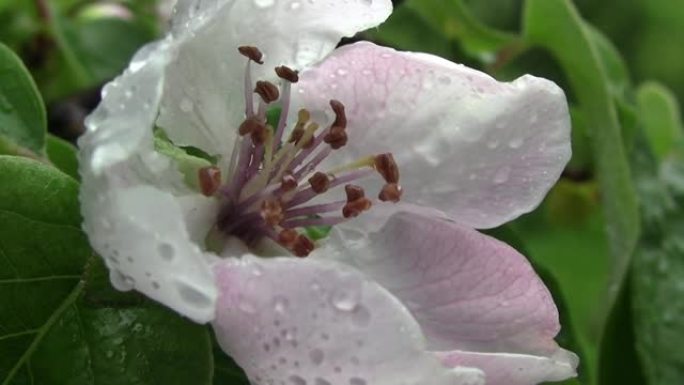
x=209, y=180
x=319, y=182
x=272, y=211
x=297, y=134
x=390, y=192
x=252, y=53
x=303, y=246
x=387, y=167
x=303, y=116
x=336, y=137
x=353, y=209
x=287, y=73
x=288, y=182
x=250, y=125
x=268, y=91
x=354, y=192
x=340, y=115
x=260, y=133
x=288, y=237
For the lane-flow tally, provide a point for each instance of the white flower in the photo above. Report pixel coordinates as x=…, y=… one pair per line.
x=408, y=292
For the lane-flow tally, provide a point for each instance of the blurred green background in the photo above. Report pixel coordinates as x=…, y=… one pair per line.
x=609, y=238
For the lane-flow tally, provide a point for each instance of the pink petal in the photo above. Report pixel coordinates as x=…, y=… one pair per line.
x=320, y=323
x=482, y=151
x=516, y=369
x=467, y=290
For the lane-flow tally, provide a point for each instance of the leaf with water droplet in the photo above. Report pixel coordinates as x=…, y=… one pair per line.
x=23, y=122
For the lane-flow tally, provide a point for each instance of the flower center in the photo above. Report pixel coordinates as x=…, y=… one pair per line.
x=272, y=180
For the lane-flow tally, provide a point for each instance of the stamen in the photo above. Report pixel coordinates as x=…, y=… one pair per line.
x=391, y=192
x=252, y=53
x=209, y=180
x=387, y=167
x=270, y=179
x=319, y=182
x=268, y=91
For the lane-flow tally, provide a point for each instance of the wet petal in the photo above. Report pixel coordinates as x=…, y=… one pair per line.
x=319, y=322
x=130, y=196
x=203, y=100
x=516, y=369
x=467, y=290
x=482, y=151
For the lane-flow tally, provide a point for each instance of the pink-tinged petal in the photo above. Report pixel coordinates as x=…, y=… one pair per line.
x=131, y=196
x=516, y=369
x=321, y=323
x=482, y=151
x=467, y=291
x=203, y=95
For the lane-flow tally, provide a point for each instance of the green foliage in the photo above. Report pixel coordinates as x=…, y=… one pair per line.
x=62, y=155
x=23, y=122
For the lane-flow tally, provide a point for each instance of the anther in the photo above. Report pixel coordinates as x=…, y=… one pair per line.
x=336, y=137
x=319, y=182
x=250, y=125
x=272, y=211
x=387, y=167
x=288, y=182
x=356, y=207
x=303, y=246
x=354, y=192
x=287, y=73
x=287, y=238
x=260, y=133
x=391, y=192
x=268, y=91
x=340, y=115
x=209, y=180
x=253, y=53
x=297, y=134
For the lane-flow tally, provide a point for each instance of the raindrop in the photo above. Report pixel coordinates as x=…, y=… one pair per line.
x=344, y=300
x=166, y=251
x=317, y=356
x=280, y=304
x=186, y=105
x=264, y=3
x=342, y=71
x=357, y=381
x=192, y=295
x=321, y=381
x=502, y=175
x=295, y=5
x=516, y=143
x=297, y=380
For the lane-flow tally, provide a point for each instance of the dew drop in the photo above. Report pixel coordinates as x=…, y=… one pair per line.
x=264, y=3
x=280, y=304
x=357, y=381
x=344, y=300
x=186, y=105
x=295, y=5
x=193, y=296
x=297, y=380
x=342, y=71
x=502, y=175
x=516, y=143
x=317, y=356
x=321, y=381
x=166, y=251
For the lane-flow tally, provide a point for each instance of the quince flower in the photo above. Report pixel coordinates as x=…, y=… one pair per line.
x=408, y=292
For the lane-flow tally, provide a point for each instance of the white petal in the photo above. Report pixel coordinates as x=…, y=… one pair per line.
x=321, y=323
x=203, y=100
x=516, y=369
x=482, y=151
x=130, y=196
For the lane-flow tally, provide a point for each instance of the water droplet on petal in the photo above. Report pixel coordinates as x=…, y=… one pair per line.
x=344, y=300
x=297, y=380
x=502, y=175
x=516, y=143
x=280, y=304
x=186, y=105
x=295, y=5
x=317, y=356
x=264, y=3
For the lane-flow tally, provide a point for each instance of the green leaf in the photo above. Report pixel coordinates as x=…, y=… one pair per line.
x=455, y=21
x=189, y=165
x=226, y=371
x=556, y=25
x=618, y=363
x=22, y=115
x=61, y=326
x=658, y=268
x=42, y=254
x=62, y=154
x=659, y=111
